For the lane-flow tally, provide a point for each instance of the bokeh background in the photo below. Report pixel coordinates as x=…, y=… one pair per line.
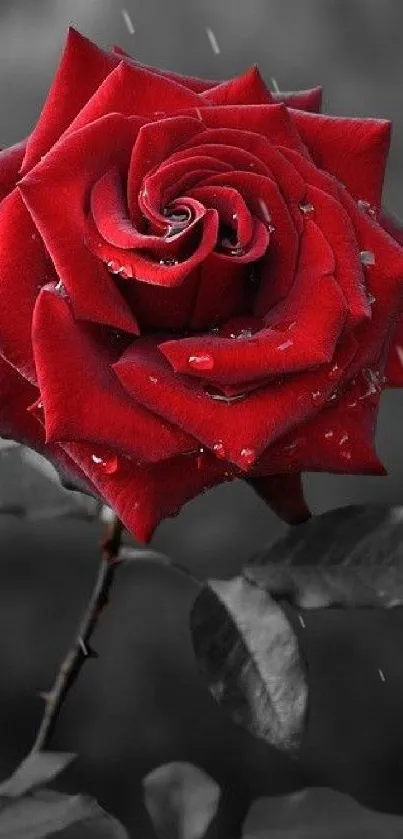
x=354, y=49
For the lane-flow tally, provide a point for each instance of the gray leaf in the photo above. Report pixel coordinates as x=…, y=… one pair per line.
x=37, y=769
x=248, y=652
x=42, y=815
x=181, y=800
x=350, y=557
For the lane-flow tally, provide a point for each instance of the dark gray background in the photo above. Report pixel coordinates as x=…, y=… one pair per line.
x=142, y=701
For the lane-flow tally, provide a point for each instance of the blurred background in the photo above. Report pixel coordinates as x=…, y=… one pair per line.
x=352, y=48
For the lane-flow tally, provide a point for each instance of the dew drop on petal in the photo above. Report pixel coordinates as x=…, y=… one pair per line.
x=265, y=210
x=371, y=299
x=169, y=261
x=153, y=379
x=218, y=449
x=334, y=372
x=201, y=362
x=366, y=207
x=316, y=395
x=399, y=351
x=367, y=257
x=329, y=434
x=60, y=289
x=307, y=208
x=199, y=458
x=244, y=333
x=285, y=345
x=248, y=456
x=109, y=465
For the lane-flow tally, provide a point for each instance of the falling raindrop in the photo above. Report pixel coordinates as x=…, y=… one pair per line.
x=128, y=21
x=201, y=362
x=301, y=620
x=367, y=257
x=382, y=675
x=213, y=40
x=109, y=464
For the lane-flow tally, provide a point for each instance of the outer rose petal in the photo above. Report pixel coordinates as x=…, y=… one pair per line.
x=24, y=268
x=142, y=496
x=394, y=366
x=10, y=163
x=355, y=150
x=340, y=438
x=19, y=424
x=82, y=68
x=69, y=170
x=303, y=100
x=248, y=89
x=83, y=399
x=192, y=82
x=285, y=495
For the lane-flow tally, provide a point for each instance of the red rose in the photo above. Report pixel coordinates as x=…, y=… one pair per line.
x=194, y=286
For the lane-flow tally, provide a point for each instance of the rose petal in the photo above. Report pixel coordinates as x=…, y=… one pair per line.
x=154, y=143
x=271, y=121
x=272, y=351
x=355, y=150
x=69, y=170
x=303, y=100
x=18, y=423
x=142, y=496
x=24, y=268
x=192, y=82
x=10, y=164
x=394, y=366
x=83, y=67
x=132, y=90
x=83, y=400
x=284, y=494
x=239, y=431
x=340, y=438
x=247, y=89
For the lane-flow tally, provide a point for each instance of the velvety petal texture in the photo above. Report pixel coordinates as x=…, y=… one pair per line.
x=196, y=285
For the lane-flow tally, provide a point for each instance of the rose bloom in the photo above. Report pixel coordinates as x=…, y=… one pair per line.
x=195, y=286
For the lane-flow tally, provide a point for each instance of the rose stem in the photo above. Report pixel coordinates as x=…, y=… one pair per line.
x=81, y=649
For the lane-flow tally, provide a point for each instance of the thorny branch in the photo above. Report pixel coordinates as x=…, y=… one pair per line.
x=81, y=648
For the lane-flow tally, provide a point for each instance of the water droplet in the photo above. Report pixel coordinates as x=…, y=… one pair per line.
x=248, y=456
x=199, y=114
x=244, y=333
x=367, y=257
x=199, y=458
x=153, y=379
x=316, y=395
x=371, y=299
x=201, y=362
x=334, y=372
x=128, y=21
x=218, y=449
x=60, y=289
x=366, y=207
x=283, y=325
x=329, y=434
x=375, y=382
x=333, y=396
x=222, y=397
x=381, y=675
x=235, y=249
x=39, y=405
x=115, y=268
x=109, y=465
x=286, y=345
x=307, y=208
x=343, y=439
x=301, y=620
x=169, y=261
